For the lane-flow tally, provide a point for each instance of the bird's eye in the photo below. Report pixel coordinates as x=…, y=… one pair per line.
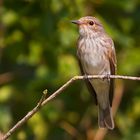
x=91, y=23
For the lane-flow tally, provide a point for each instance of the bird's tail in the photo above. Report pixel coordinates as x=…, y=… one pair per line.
x=105, y=118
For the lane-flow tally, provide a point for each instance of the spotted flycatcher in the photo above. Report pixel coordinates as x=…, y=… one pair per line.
x=96, y=55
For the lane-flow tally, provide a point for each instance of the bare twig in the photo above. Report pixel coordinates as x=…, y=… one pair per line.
x=44, y=101
x=26, y=118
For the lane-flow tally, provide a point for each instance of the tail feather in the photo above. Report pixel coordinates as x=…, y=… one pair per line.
x=105, y=118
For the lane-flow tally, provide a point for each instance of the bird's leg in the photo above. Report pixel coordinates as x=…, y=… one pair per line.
x=107, y=76
x=85, y=77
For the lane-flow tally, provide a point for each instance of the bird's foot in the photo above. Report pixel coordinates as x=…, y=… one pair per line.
x=85, y=77
x=107, y=76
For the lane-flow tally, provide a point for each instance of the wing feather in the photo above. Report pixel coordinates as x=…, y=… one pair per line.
x=112, y=61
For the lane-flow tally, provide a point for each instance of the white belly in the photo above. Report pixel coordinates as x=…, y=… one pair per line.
x=92, y=59
x=94, y=64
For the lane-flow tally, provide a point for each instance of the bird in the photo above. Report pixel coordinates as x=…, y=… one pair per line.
x=97, y=56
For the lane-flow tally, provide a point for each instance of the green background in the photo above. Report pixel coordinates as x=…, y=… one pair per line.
x=38, y=51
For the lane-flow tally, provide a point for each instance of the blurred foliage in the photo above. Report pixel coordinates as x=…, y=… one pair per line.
x=38, y=51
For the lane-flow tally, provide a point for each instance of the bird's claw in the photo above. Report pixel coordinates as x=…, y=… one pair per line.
x=107, y=76
x=85, y=77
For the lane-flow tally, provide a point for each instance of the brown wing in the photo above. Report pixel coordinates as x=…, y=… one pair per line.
x=112, y=61
x=88, y=84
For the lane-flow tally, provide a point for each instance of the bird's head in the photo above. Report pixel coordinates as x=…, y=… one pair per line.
x=89, y=26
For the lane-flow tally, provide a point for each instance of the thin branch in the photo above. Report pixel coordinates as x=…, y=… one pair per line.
x=42, y=102
x=62, y=88
x=26, y=118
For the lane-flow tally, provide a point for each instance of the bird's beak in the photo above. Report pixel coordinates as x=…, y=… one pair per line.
x=76, y=22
